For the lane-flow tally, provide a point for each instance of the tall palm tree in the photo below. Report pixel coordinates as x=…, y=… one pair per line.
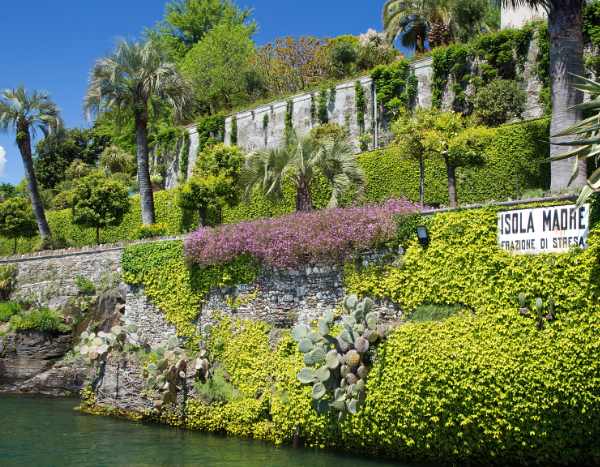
x=25, y=113
x=128, y=83
x=300, y=162
x=566, y=62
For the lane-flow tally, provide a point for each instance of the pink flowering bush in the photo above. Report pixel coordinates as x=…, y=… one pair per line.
x=331, y=235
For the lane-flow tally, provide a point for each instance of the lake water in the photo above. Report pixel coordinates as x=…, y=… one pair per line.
x=39, y=432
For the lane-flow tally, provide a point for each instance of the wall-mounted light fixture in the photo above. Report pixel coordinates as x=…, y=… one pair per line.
x=423, y=236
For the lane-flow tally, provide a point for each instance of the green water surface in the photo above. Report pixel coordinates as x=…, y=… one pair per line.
x=40, y=432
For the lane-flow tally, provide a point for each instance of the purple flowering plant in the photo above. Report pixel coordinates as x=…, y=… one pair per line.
x=330, y=235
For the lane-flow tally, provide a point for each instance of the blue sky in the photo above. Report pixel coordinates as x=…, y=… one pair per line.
x=51, y=45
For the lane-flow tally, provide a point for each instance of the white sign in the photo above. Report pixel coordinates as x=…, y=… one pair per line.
x=552, y=229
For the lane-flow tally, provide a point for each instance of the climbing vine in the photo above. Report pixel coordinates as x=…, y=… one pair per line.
x=498, y=55
x=396, y=87
x=289, y=120
x=361, y=104
x=323, y=113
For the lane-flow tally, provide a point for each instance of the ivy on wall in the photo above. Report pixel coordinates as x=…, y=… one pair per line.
x=464, y=265
x=361, y=105
x=396, y=87
x=322, y=111
x=176, y=288
x=490, y=56
x=211, y=130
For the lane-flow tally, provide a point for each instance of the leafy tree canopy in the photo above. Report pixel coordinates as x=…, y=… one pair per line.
x=56, y=152
x=17, y=219
x=219, y=67
x=186, y=23
x=99, y=202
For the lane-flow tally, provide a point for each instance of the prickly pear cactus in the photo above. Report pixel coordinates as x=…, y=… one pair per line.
x=167, y=375
x=337, y=366
x=94, y=347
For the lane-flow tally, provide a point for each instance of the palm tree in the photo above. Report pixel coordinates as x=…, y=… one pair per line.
x=300, y=162
x=566, y=62
x=416, y=21
x=25, y=113
x=129, y=83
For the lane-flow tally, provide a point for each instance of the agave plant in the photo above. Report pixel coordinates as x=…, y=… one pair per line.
x=168, y=374
x=586, y=136
x=337, y=366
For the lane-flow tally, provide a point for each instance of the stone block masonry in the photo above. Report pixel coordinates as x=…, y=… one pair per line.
x=280, y=297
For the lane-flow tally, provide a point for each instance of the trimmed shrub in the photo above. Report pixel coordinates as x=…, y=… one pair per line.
x=498, y=102
x=302, y=238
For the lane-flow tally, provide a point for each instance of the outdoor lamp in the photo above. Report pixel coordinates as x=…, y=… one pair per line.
x=423, y=236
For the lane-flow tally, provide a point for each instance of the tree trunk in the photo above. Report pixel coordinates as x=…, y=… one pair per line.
x=303, y=197
x=146, y=193
x=24, y=144
x=421, y=179
x=451, y=170
x=203, y=217
x=566, y=58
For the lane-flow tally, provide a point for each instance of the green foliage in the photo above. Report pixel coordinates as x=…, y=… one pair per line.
x=503, y=54
x=211, y=131
x=396, y=87
x=289, y=121
x=42, y=319
x=406, y=228
x=176, y=288
x=85, y=286
x=8, y=310
x=513, y=160
x=361, y=105
x=56, y=152
x=99, y=202
x=8, y=277
x=234, y=131
x=322, y=111
x=187, y=22
x=498, y=102
x=214, y=183
x=591, y=22
x=464, y=265
x=152, y=231
x=219, y=68
x=17, y=219
x=343, y=53
x=432, y=312
x=216, y=389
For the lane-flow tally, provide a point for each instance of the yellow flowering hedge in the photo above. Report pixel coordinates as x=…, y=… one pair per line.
x=464, y=265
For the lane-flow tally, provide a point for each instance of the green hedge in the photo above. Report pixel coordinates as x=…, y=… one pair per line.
x=514, y=161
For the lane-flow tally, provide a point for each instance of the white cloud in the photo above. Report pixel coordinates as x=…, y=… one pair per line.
x=2, y=160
